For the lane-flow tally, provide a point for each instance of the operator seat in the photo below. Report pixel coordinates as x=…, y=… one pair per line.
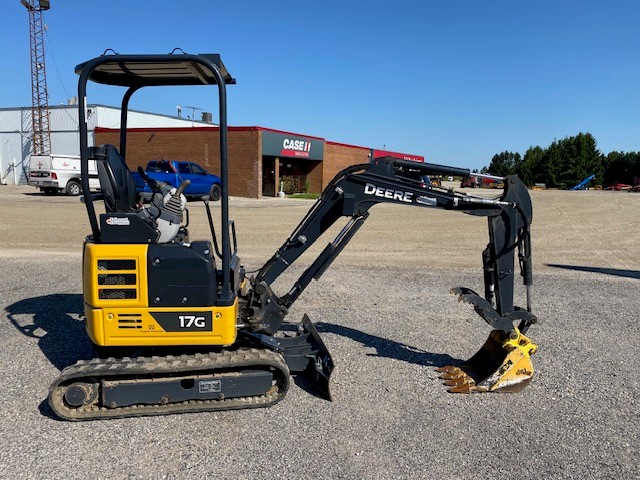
x=116, y=181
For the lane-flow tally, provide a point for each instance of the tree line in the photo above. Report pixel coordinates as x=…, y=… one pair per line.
x=567, y=162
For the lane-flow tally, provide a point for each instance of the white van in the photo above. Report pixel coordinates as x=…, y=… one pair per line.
x=56, y=173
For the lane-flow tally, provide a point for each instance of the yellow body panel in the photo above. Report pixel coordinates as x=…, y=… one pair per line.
x=117, y=307
x=98, y=262
x=106, y=327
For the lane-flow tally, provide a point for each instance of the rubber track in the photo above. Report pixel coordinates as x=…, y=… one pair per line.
x=129, y=368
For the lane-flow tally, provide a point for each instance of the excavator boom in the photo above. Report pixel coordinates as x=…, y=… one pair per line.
x=388, y=180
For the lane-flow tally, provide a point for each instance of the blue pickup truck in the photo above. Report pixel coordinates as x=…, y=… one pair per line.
x=174, y=172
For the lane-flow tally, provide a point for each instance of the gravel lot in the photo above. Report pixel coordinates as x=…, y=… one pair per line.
x=388, y=321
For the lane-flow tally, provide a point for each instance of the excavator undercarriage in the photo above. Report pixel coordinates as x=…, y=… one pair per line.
x=161, y=385
x=179, y=325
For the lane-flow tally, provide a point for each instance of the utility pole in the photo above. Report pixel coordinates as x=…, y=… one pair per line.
x=39, y=94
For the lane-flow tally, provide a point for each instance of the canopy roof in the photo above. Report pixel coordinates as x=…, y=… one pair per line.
x=151, y=70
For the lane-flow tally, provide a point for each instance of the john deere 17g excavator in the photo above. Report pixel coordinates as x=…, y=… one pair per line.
x=204, y=335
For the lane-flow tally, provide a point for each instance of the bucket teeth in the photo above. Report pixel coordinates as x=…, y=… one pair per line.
x=457, y=379
x=460, y=389
x=447, y=369
x=456, y=382
x=467, y=389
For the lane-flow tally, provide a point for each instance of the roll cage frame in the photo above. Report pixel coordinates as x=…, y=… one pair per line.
x=139, y=71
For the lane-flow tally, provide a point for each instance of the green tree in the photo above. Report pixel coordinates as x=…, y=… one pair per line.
x=636, y=166
x=567, y=162
x=530, y=169
x=588, y=159
x=621, y=167
x=503, y=164
x=552, y=164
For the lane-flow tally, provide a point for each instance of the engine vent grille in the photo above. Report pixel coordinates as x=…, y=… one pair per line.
x=126, y=276
x=116, y=264
x=116, y=294
x=129, y=320
x=117, y=279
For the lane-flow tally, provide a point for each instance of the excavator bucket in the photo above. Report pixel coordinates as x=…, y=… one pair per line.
x=502, y=365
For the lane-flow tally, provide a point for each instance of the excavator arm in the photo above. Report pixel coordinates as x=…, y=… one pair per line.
x=388, y=180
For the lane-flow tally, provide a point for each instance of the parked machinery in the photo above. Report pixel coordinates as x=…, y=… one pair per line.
x=204, y=335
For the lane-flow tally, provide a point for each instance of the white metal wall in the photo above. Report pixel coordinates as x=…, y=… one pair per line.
x=15, y=144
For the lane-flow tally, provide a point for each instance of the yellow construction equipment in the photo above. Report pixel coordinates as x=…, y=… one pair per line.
x=203, y=334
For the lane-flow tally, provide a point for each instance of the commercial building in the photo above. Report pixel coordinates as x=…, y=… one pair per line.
x=261, y=160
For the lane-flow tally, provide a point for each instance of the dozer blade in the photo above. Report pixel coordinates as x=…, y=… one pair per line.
x=501, y=365
x=321, y=364
x=307, y=355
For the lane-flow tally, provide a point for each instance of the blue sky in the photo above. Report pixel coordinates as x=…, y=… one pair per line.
x=455, y=81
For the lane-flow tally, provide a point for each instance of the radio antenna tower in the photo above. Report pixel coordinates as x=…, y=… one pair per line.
x=39, y=94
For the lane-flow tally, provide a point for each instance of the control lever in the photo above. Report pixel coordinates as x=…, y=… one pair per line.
x=206, y=199
x=150, y=181
x=181, y=188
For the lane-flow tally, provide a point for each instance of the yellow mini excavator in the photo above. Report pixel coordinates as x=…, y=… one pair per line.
x=201, y=333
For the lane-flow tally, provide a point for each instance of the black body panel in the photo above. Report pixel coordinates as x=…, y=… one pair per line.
x=184, y=321
x=209, y=387
x=182, y=276
x=126, y=228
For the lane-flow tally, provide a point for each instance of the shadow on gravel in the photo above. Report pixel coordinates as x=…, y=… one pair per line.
x=607, y=271
x=384, y=348
x=390, y=349
x=54, y=321
x=307, y=385
x=46, y=411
